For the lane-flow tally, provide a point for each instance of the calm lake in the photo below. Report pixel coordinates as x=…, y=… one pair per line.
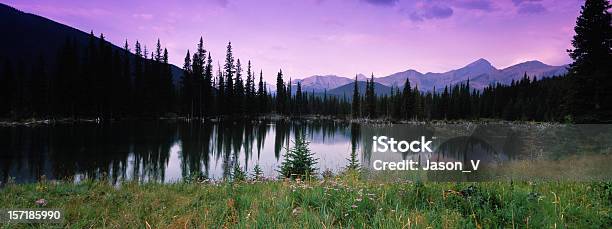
x=169, y=151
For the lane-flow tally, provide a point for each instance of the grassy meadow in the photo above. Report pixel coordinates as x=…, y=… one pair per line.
x=344, y=201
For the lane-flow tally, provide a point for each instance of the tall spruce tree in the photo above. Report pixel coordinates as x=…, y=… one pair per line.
x=87, y=99
x=208, y=96
x=198, y=65
x=167, y=84
x=280, y=93
x=444, y=103
x=288, y=98
x=591, y=72
x=261, y=94
x=355, y=108
x=418, y=111
x=221, y=97
x=398, y=104
x=126, y=81
x=229, y=69
x=249, y=89
x=408, y=100
x=298, y=99
x=186, y=89
x=371, y=98
x=239, y=103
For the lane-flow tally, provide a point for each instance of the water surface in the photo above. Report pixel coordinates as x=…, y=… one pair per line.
x=169, y=151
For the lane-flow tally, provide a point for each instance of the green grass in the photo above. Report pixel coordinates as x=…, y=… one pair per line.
x=338, y=202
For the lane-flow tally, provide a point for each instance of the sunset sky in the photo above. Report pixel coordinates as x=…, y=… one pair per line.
x=342, y=37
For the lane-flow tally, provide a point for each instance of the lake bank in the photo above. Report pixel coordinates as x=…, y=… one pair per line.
x=270, y=117
x=342, y=201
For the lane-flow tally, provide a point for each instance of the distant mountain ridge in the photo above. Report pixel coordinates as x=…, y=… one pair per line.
x=347, y=90
x=480, y=73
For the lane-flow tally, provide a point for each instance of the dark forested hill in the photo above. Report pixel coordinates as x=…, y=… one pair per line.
x=26, y=37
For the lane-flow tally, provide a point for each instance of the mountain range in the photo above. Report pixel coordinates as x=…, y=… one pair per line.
x=480, y=73
x=347, y=89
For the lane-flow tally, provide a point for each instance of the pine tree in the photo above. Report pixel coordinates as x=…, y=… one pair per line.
x=250, y=89
x=86, y=82
x=591, y=73
x=298, y=99
x=158, y=51
x=99, y=79
x=238, y=174
x=288, y=98
x=208, y=87
x=355, y=112
x=200, y=77
x=408, y=101
x=221, y=97
x=138, y=90
x=229, y=68
x=418, y=103
x=280, y=93
x=239, y=91
x=167, y=84
x=126, y=81
x=261, y=95
x=444, y=103
x=299, y=161
x=397, y=103
x=186, y=90
x=106, y=78
x=198, y=71
x=371, y=98
x=267, y=98
x=257, y=173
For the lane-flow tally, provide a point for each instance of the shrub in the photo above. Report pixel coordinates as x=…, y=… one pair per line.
x=238, y=174
x=257, y=173
x=299, y=161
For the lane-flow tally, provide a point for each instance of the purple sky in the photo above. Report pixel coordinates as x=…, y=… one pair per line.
x=343, y=37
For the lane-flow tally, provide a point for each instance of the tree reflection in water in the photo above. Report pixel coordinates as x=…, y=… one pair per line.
x=142, y=150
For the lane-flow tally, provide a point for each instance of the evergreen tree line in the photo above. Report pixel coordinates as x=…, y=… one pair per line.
x=526, y=99
x=300, y=103
x=91, y=81
x=234, y=91
x=101, y=81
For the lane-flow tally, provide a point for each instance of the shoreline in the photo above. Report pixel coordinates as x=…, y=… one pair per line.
x=270, y=117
